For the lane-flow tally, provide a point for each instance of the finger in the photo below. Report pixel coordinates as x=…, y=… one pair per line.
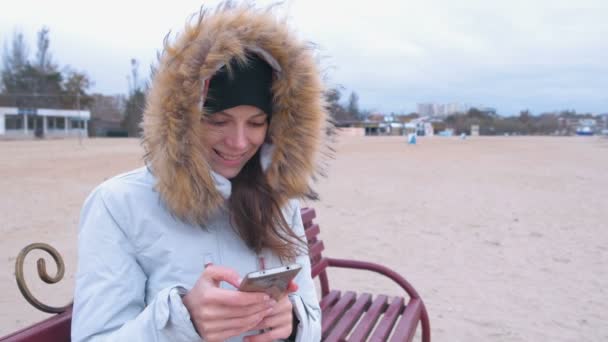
x=283, y=305
x=233, y=298
x=270, y=335
x=217, y=274
x=238, y=325
x=216, y=312
x=282, y=314
x=275, y=321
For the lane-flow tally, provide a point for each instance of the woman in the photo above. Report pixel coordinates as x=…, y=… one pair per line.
x=232, y=127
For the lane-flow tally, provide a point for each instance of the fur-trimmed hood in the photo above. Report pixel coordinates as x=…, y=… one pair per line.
x=171, y=129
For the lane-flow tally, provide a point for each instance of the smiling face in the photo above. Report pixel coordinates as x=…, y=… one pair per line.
x=232, y=137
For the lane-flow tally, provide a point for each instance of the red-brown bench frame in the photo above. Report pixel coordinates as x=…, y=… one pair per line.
x=346, y=316
x=352, y=317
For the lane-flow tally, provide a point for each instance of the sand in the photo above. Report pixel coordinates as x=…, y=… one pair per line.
x=505, y=238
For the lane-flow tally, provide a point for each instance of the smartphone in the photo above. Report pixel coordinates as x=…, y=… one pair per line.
x=272, y=281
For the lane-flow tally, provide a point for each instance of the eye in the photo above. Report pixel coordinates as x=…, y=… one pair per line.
x=214, y=122
x=258, y=123
x=218, y=123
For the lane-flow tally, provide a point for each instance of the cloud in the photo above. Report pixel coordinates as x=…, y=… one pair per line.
x=538, y=54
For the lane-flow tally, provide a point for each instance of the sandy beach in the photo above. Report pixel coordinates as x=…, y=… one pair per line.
x=505, y=238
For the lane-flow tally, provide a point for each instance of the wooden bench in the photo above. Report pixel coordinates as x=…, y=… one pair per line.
x=347, y=316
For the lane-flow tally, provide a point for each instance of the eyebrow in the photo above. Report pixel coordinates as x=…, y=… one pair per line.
x=253, y=116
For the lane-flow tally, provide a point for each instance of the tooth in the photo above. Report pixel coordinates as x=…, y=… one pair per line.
x=227, y=157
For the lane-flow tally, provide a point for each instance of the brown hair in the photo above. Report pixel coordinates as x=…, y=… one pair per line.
x=256, y=214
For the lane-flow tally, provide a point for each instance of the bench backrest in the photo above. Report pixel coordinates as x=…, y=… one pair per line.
x=315, y=247
x=54, y=329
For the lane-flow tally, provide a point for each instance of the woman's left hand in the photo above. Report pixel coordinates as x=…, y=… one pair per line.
x=278, y=324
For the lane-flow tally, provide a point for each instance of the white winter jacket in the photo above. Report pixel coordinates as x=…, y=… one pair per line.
x=146, y=235
x=135, y=259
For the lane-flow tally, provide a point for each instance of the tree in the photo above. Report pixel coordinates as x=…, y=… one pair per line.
x=353, y=105
x=525, y=116
x=46, y=78
x=14, y=61
x=31, y=84
x=336, y=111
x=43, y=56
x=135, y=103
x=75, y=89
x=40, y=83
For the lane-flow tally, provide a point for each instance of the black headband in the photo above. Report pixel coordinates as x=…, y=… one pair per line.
x=247, y=84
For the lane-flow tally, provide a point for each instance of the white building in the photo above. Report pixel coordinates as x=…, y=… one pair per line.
x=425, y=109
x=438, y=109
x=50, y=123
x=453, y=108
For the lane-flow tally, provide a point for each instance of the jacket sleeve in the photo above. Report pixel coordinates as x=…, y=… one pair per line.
x=304, y=301
x=109, y=298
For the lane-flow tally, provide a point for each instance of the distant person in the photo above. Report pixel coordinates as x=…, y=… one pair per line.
x=39, y=132
x=232, y=126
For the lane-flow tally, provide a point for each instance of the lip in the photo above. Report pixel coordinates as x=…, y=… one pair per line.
x=229, y=162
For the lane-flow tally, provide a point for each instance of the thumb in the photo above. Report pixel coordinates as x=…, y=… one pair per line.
x=216, y=274
x=292, y=287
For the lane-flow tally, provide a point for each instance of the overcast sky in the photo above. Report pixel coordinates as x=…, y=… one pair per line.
x=509, y=54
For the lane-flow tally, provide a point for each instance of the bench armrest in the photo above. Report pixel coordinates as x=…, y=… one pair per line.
x=370, y=266
x=396, y=277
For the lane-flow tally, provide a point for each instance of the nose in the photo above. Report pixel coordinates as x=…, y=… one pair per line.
x=238, y=138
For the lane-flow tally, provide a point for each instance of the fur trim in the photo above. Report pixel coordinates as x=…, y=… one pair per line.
x=171, y=129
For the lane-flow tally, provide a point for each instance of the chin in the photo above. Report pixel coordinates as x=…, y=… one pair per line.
x=229, y=174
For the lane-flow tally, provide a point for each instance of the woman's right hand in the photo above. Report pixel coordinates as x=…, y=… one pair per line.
x=219, y=314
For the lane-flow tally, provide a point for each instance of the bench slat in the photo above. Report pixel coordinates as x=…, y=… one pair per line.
x=329, y=300
x=350, y=317
x=368, y=321
x=315, y=250
x=308, y=214
x=318, y=268
x=384, y=328
x=406, y=328
x=312, y=231
x=333, y=314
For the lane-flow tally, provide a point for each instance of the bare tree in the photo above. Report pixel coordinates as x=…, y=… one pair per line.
x=135, y=103
x=43, y=56
x=353, y=106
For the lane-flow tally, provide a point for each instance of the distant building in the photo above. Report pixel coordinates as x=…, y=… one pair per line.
x=437, y=109
x=453, y=108
x=23, y=123
x=426, y=109
x=107, y=116
x=488, y=110
x=421, y=127
x=604, y=118
x=376, y=117
x=474, y=130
